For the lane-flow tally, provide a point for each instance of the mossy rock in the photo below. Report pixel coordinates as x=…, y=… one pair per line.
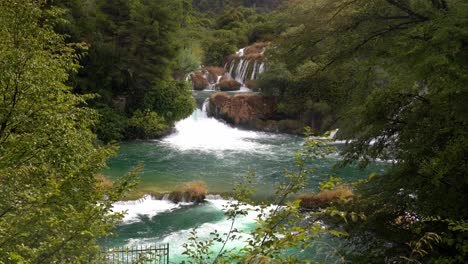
x=199, y=82
x=229, y=85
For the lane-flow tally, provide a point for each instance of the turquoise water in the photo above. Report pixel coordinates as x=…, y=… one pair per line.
x=206, y=149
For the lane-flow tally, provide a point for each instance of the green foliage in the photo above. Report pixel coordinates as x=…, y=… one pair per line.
x=111, y=125
x=187, y=61
x=52, y=209
x=217, y=50
x=170, y=99
x=394, y=75
x=415, y=117
x=134, y=48
x=275, y=80
x=146, y=125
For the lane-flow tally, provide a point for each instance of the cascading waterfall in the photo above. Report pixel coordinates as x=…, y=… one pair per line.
x=243, y=68
x=203, y=133
x=246, y=65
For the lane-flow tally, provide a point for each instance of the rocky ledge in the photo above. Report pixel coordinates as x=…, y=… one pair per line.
x=252, y=111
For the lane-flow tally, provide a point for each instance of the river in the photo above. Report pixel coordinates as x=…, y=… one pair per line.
x=211, y=151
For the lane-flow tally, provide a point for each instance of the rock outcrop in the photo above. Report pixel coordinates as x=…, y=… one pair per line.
x=252, y=111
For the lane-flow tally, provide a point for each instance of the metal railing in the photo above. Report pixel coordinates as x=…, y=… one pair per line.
x=154, y=254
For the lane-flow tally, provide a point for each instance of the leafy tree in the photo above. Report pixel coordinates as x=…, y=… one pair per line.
x=404, y=66
x=172, y=100
x=146, y=125
x=217, y=50
x=133, y=50
x=52, y=207
x=187, y=61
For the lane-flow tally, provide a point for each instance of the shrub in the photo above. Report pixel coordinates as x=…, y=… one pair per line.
x=171, y=100
x=111, y=125
x=217, y=50
x=146, y=125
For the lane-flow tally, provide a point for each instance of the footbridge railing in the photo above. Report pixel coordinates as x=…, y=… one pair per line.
x=151, y=254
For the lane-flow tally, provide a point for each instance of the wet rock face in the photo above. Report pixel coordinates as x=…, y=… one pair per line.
x=252, y=111
x=212, y=73
x=242, y=109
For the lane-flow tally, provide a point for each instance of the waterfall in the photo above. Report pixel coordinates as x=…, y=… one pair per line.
x=202, y=133
x=254, y=71
x=243, y=66
x=261, y=68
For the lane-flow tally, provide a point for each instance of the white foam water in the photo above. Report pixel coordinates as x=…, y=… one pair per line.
x=147, y=206
x=177, y=239
x=202, y=133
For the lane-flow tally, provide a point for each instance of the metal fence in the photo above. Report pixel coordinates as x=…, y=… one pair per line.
x=154, y=254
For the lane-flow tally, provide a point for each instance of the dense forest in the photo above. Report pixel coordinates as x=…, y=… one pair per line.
x=78, y=76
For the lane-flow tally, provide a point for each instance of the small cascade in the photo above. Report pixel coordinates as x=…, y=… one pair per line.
x=243, y=69
x=237, y=74
x=148, y=205
x=207, y=134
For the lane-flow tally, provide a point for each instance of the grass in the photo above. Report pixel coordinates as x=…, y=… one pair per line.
x=103, y=182
x=194, y=191
x=325, y=198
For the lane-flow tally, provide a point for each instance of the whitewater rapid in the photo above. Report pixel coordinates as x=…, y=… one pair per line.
x=202, y=133
x=149, y=207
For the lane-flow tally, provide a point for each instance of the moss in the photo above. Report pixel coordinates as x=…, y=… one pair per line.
x=254, y=57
